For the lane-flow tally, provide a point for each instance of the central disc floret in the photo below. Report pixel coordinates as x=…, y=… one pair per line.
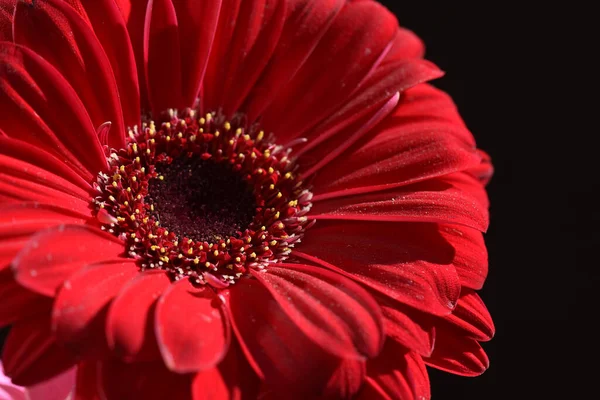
x=203, y=197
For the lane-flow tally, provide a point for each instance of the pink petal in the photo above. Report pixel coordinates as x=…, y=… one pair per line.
x=455, y=199
x=162, y=57
x=278, y=351
x=472, y=317
x=192, y=328
x=55, y=31
x=31, y=355
x=80, y=308
x=457, y=354
x=39, y=107
x=304, y=27
x=330, y=309
x=53, y=255
x=343, y=58
x=407, y=262
x=396, y=374
x=57, y=388
x=130, y=323
x=8, y=390
x=148, y=381
x=197, y=24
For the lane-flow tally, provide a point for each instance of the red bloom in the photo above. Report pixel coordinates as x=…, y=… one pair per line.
x=216, y=199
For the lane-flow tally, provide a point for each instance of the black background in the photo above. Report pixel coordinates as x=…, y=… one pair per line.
x=519, y=76
x=521, y=81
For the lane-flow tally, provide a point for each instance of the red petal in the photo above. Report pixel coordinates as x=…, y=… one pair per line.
x=88, y=382
x=472, y=317
x=417, y=143
x=344, y=57
x=6, y=7
x=79, y=314
x=396, y=374
x=28, y=86
x=30, y=353
x=148, y=381
x=130, y=323
x=406, y=46
x=162, y=57
x=257, y=33
x=53, y=255
x=407, y=262
x=20, y=151
x=484, y=171
x=18, y=302
x=192, y=328
x=197, y=22
x=55, y=31
x=330, y=309
x=455, y=199
x=346, y=381
x=409, y=327
x=371, y=96
x=111, y=30
x=278, y=351
x=304, y=27
x=471, y=257
x=457, y=354
x=232, y=379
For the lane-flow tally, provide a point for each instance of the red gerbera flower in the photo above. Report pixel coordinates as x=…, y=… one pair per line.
x=232, y=199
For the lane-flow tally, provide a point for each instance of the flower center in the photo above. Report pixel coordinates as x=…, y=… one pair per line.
x=203, y=197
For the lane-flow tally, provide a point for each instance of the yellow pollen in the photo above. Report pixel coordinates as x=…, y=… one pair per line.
x=208, y=117
x=293, y=203
x=116, y=177
x=271, y=170
x=122, y=168
x=153, y=247
x=202, y=121
x=238, y=131
x=227, y=126
x=237, y=259
x=168, y=125
x=120, y=219
x=180, y=135
x=279, y=195
x=266, y=248
x=190, y=251
x=190, y=241
x=207, y=264
x=152, y=207
x=148, y=151
x=193, y=138
x=248, y=239
x=152, y=141
x=145, y=220
x=156, y=223
x=135, y=149
x=115, y=184
x=196, y=261
x=126, y=203
x=253, y=255
x=231, y=142
x=132, y=217
x=137, y=160
x=277, y=214
x=217, y=133
x=133, y=178
x=129, y=189
x=133, y=235
x=180, y=255
x=162, y=249
x=166, y=233
x=111, y=198
x=246, y=137
x=168, y=138
x=288, y=175
x=160, y=177
x=263, y=228
x=260, y=136
x=273, y=242
x=143, y=169
x=216, y=253
x=281, y=226
x=223, y=245
x=137, y=211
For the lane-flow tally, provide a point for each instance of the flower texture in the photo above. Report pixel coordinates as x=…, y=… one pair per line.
x=233, y=199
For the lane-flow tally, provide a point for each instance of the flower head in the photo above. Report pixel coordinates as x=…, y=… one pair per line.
x=232, y=199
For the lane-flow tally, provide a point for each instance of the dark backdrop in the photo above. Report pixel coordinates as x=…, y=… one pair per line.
x=519, y=77
x=521, y=81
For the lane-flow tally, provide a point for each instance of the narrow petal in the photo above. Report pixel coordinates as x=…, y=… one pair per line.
x=21, y=152
x=53, y=255
x=58, y=388
x=346, y=380
x=257, y=33
x=232, y=379
x=344, y=57
x=412, y=329
x=88, y=381
x=424, y=138
x=455, y=199
x=306, y=23
x=457, y=354
x=471, y=256
x=80, y=308
x=162, y=57
x=130, y=323
x=396, y=375
x=472, y=317
x=330, y=309
x=55, y=31
x=39, y=107
x=192, y=328
x=197, y=24
x=407, y=262
x=148, y=381
x=278, y=351
x=111, y=30
x=31, y=354
x=6, y=7
x=406, y=46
